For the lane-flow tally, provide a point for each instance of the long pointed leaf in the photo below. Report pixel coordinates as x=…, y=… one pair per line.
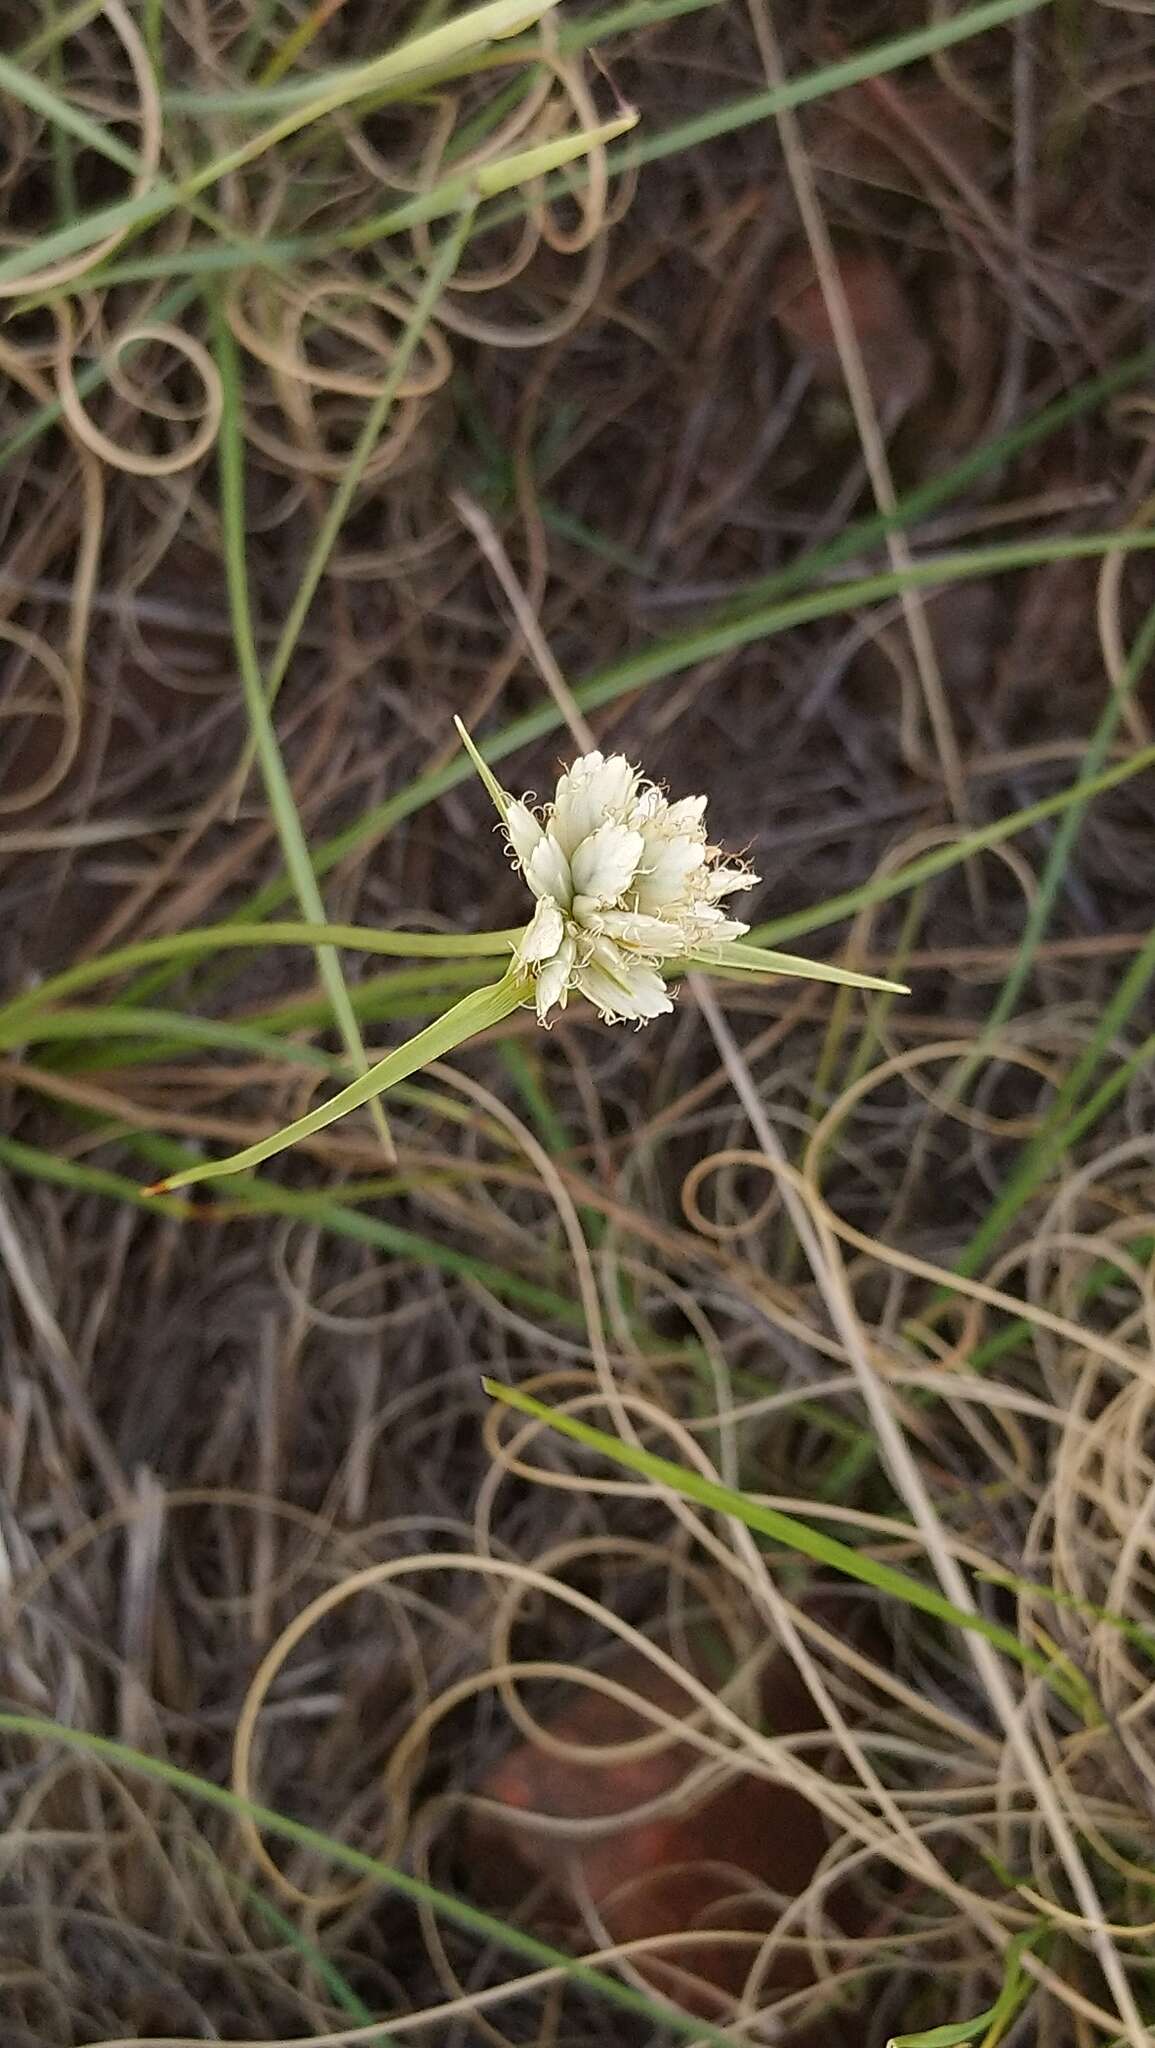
x=994, y=2021
x=760, y=960
x=511, y=1940
x=475, y=1012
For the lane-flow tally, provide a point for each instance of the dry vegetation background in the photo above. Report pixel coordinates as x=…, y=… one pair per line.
x=887, y=1266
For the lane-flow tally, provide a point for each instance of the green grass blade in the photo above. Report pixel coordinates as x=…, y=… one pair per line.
x=872, y=62
x=278, y=788
x=422, y=55
x=786, y=1530
x=213, y=938
x=1059, y=856
x=437, y=277
x=573, y=36
x=408, y=994
x=340, y=89
x=1045, y=1151
x=759, y=960
x=946, y=487
x=114, y=220
x=884, y=888
x=497, y=795
x=509, y=1940
x=339, y=1989
x=175, y=1030
x=526, y=165
x=90, y=379
x=671, y=657
x=476, y=1012
x=1063, y=1125
x=1016, y=1989
x=54, y=32
x=939, y=34
x=43, y=99
x=249, y=1195
x=1047, y=1144
x=1070, y=1603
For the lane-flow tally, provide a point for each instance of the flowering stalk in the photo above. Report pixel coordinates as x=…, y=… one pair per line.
x=625, y=884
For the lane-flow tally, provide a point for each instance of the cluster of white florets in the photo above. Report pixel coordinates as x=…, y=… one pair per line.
x=624, y=879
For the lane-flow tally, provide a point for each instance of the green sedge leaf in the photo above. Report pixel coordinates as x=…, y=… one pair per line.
x=797, y=1536
x=995, y=2020
x=476, y=1012
x=759, y=960
x=499, y=795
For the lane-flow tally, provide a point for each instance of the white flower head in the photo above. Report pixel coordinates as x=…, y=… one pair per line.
x=623, y=879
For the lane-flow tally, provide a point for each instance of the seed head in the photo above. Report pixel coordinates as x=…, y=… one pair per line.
x=623, y=880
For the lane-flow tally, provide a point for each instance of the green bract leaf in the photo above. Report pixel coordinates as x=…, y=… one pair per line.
x=759, y=960
x=474, y=1013
x=795, y=1535
x=500, y=798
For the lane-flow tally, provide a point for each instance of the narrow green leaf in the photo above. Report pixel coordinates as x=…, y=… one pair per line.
x=266, y=746
x=1030, y=1589
x=56, y=29
x=92, y=228
x=425, y=304
x=758, y=960
x=213, y=938
x=110, y=1021
x=250, y=1194
x=497, y=793
x=1040, y=1149
x=581, y=33
x=670, y=657
x=950, y=2036
x=527, y=164
x=752, y=109
x=315, y=1959
x=44, y=99
x=791, y=1533
x=726, y=635
x=476, y=1012
x=310, y=103
x=495, y=1933
x=419, y=55
x=995, y=2020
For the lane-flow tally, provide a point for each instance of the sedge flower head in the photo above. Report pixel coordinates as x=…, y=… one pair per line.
x=624, y=880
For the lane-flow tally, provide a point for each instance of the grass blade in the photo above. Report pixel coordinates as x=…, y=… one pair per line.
x=324, y=96
x=788, y=1531
x=1016, y=1989
x=671, y=657
x=423, y=55
x=212, y=938
x=758, y=960
x=1058, y=858
x=510, y=1940
x=476, y=1012
x=43, y=99
x=940, y=33
x=250, y=1196
x=278, y=788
